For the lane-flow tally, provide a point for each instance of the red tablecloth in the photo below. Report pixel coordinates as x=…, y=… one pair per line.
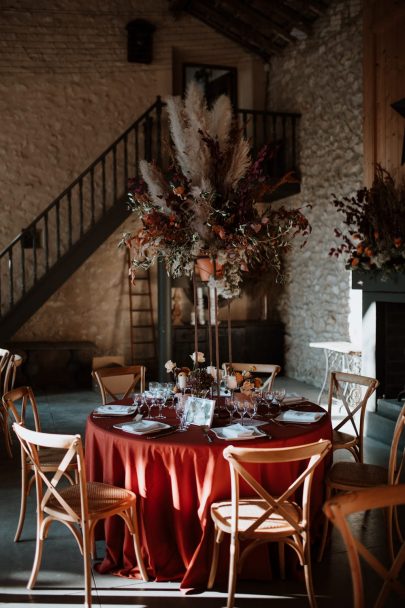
x=176, y=479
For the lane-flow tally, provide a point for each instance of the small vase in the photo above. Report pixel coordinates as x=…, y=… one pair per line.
x=205, y=268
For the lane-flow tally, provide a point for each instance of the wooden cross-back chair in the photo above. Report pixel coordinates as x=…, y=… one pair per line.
x=346, y=476
x=119, y=382
x=338, y=509
x=266, y=518
x=21, y=403
x=8, y=370
x=269, y=369
x=79, y=506
x=353, y=391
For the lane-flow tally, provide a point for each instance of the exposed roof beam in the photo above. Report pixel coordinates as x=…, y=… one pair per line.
x=294, y=18
x=258, y=18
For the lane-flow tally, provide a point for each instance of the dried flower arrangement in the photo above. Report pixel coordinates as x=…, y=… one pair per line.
x=375, y=226
x=206, y=204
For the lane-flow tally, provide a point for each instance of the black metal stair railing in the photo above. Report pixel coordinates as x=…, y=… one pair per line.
x=45, y=253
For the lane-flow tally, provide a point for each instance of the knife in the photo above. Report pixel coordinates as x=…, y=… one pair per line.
x=171, y=431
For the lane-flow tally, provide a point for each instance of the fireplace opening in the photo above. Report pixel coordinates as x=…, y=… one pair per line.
x=390, y=348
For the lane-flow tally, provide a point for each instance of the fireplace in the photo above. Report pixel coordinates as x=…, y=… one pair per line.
x=383, y=331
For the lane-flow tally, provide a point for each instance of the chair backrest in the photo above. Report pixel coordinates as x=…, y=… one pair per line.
x=24, y=398
x=313, y=453
x=394, y=468
x=71, y=452
x=353, y=391
x=339, y=508
x=256, y=368
x=4, y=359
x=119, y=382
x=14, y=361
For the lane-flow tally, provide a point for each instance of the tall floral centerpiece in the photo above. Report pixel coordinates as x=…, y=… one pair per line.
x=205, y=206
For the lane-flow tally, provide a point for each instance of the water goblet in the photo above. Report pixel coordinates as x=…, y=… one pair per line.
x=148, y=401
x=160, y=401
x=241, y=408
x=251, y=408
x=230, y=406
x=278, y=396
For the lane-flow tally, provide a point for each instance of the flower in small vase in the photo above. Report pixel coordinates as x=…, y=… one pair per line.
x=247, y=387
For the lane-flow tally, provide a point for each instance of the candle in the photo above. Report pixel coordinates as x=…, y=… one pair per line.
x=231, y=382
x=182, y=381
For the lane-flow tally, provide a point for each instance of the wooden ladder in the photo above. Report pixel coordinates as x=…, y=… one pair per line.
x=143, y=335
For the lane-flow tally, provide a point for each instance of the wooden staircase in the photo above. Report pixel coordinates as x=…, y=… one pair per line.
x=45, y=254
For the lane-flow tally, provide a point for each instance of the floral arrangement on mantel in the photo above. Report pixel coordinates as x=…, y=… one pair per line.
x=374, y=238
x=206, y=204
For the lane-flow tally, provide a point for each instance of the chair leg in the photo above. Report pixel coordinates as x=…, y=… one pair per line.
x=137, y=545
x=23, y=504
x=281, y=559
x=6, y=434
x=38, y=556
x=215, y=556
x=325, y=527
x=87, y=566
x=308, y=575
x=233, y=565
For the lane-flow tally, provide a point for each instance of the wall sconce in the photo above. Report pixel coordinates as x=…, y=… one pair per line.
x=140, y=41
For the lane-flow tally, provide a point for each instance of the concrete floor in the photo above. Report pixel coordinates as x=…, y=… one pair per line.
x=60, y=581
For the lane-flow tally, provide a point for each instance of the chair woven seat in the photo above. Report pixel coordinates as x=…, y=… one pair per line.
x=250, y=511
x=341, y=438
x=100, y=497
x=48, y=457
x=359, y=475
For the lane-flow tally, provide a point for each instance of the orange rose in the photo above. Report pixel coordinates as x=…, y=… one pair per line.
x=257, y=382
x=397, y=242
x=239, y=377
x=179, y=191
x=369, y=252
x=360, y=248
x=355, y=262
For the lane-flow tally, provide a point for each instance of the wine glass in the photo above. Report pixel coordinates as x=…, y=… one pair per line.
x=160, y=399
x=241, y=408
x=148, y=401
x=230, y=406
x=251, y=408
x=278, y=396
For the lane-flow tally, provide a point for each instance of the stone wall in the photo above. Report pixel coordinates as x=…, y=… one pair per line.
x=321, y=78
x=66, y=92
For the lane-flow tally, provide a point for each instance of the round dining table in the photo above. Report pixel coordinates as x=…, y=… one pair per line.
x=176, y=478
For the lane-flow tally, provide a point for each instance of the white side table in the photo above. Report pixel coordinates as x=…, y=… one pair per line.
x=339, y=356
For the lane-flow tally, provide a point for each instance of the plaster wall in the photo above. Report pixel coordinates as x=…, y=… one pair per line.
x=66, y=92
x=321, y=78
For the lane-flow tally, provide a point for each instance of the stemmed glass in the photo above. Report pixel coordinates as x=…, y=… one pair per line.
x=241, y=408
x=278, y=396
x=230, y=406
x=160, y=398
x=251, y=408
x=180, y=413
x=148, y=401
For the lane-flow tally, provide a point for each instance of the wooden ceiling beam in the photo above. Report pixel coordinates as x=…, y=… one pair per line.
x=291, y=16
x=257, y=17
x=231, y=26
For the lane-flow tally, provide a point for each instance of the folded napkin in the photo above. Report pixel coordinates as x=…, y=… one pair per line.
x=141, y=427
x=237, y=430
x=293, y=398
x=297, y=416
x=114, y=409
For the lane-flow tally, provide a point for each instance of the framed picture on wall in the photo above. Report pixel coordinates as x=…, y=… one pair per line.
x=216, y=80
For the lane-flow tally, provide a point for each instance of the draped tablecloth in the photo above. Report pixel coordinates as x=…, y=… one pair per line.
x=176, y=479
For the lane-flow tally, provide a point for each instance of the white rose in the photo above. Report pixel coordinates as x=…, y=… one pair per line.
x=200, y=357
x=170, y=366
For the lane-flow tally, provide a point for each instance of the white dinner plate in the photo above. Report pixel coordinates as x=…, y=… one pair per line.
x=142, y=427
x=114, y=409
x=256, y=432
